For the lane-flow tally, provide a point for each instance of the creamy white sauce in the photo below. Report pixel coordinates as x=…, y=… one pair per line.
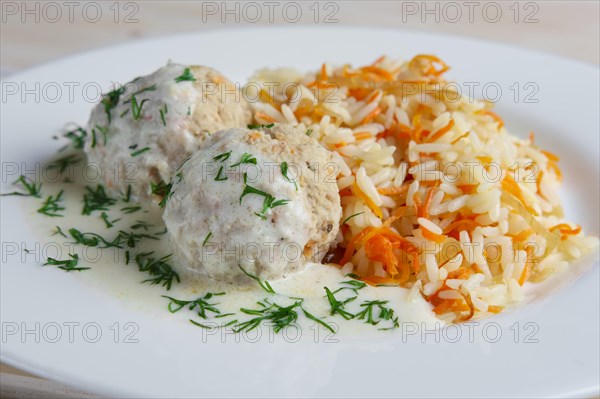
x=110, y=274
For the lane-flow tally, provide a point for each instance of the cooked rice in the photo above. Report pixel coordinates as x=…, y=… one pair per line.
x=446, y=202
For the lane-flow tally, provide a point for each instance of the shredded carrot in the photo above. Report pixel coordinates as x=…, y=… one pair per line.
x=442, y=131
x=522, y=236
x=424, y=210
x=462, y=136
x=377, y=280
x=538, y=183
x=510, y=185
x=364, y=233
x=378, y=60
x=443, y=306
x=460, y=225
x=367, y=200
x=493, y=115
x=469, y=301
x=531, y=137
x=393, y=190
x=527, y=269
x=323, y=72
x=265, y=117
x=552, y=157
x=372, y=115
x=431, y=236
x=484, y=159
x=362, y=136
x=397, y=214
x=340, y=145
x=430, y=61
x=468, y=188
x=495, y=309
x=566, y=230
x=556, y=169
x=379, y=248
x=378, y=72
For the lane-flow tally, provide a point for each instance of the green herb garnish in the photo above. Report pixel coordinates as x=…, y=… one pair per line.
x=111, y=100
x=77, y=137
x=32, y=188
x=52, y=206
x=338, y=306
x=68, y=265
x=284, y=172
x=351, y=216
x=161, y=271
x=222, y=157
x=207, y=238
x=220, y=176
x=254, y=127
x=163, y=190
x=136, y=108
x=140, y=151
x=185, y=76
x=202, y=304
x=96, y=200
x=263, y=284
x=163, y=112
x=246, y=158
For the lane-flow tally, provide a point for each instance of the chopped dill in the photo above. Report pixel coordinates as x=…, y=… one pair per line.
x=201, y=304
x=96, y=200
x=161, y=271
x=31, y=188
x=185, y=76
x=246, y=159
x=284, y=172
x=140, y=151
x=263, y=284
x=254, y=126
x=52, y=205
x=68, y=265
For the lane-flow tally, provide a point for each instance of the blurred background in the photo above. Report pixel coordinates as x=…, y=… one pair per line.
x=34, y=32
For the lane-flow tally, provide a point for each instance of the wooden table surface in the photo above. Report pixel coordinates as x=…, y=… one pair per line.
x=35, y=32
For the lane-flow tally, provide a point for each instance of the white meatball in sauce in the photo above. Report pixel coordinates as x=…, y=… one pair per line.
x=262, y=202
x=139, y=134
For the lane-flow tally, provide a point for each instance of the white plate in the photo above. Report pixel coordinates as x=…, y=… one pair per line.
x=170, y=359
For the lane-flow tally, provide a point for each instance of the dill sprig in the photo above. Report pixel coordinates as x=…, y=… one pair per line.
x=263, y=284
x=222, y=157
x=163, y=114
x=279, y=317
x=163, y=190
x=246, y=158
x=136, y=107
x=68, y=265
x=269, y=201
x=52, y=205
x=284, y=172
x=202, y=304
x=111, y=99
x=32, y=189
x=140, y=151
x=160, y=269
x=96, y=200
x=185, y=76
x=77, y=137
x=254, y=126
x=385, y=313
x=337, y=306
x=350, y=217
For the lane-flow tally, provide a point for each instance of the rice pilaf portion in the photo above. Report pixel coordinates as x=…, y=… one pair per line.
x=436, y=195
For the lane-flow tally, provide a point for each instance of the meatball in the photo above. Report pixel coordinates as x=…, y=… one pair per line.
x=141, y=132
x=262, y=202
